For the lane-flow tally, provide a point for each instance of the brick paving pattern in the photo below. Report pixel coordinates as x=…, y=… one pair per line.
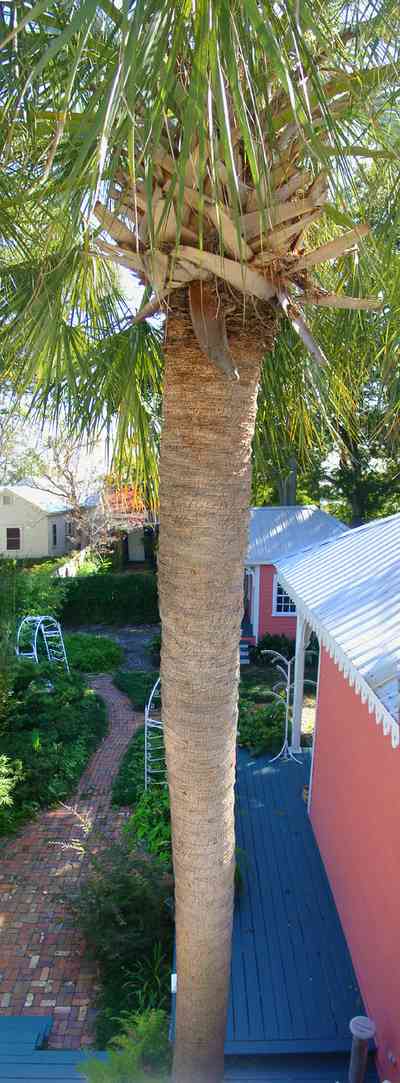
x=43, y=970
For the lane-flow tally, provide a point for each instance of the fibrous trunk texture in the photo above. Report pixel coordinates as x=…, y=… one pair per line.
x=204, y=500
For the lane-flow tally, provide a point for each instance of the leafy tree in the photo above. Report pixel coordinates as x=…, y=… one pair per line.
x=17, y=461
x=336, y=438
x=364, y=482
x=195, y=145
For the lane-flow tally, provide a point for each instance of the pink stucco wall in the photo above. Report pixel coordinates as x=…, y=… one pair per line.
x=267, y=623
x=355, y=812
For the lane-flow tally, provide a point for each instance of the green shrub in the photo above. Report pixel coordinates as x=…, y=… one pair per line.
x=155, y=649
x=129, y=782
x=137, y=684
x=11, y=772
x=7, y=636
x=55, y=723
x=150, y=824
x=111, y=599
x=282, y=644
x=124, y=910
x=261, y=728
x=255, y=688
x=38, y=591
x=91, y=653
x=95, y=564
x=141, y=1047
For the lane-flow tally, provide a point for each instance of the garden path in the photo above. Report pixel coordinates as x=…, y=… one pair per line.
x=43, y=969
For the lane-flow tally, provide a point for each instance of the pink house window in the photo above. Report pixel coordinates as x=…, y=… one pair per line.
x=282, y=603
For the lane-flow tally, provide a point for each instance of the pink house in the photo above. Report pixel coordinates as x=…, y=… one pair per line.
x=276, y=533
x=348, y=592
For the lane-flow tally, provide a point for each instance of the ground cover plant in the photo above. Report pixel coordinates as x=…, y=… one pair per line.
x=137, y=684
x=128, y=784
x=54, y=723
x=261, y=728
x=111, y=599
x=92, y=653
x=124, y=909
x=150, y=824
x=256, y=682
x=142, y=1047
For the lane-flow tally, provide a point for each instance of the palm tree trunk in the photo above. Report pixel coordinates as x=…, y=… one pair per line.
x=204, y=499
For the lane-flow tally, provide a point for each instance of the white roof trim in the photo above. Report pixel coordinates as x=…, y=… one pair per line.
x=383, y=717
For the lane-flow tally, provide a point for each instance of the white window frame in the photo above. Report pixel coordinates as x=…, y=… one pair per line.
x=277, y=612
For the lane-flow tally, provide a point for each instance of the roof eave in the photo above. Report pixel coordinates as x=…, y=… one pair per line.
x=389, y=724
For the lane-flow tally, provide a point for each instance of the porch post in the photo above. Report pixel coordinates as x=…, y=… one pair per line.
x=255, y=602
x=303, y=632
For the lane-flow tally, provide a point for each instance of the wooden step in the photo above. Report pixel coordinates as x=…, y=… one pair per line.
x=23, y=1031
x=23, y=1058
x=58, y=1065
x=244, y=653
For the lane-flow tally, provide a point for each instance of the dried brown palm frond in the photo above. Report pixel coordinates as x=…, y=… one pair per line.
x=196, y=235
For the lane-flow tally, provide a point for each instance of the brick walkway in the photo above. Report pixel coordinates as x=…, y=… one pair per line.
x=42, y=966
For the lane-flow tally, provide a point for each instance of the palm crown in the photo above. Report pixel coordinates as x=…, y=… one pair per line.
x=202, y=137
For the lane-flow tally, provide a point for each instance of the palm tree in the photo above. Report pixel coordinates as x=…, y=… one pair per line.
x=195, y=144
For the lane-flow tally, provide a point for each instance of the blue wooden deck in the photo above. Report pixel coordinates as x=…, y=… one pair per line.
x=293, y=988
x=23, y=1058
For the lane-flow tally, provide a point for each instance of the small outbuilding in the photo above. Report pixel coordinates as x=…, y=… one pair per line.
x=347, y=591
x=276, y=533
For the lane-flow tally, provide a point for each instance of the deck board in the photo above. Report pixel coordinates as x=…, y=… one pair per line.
x=293, y=987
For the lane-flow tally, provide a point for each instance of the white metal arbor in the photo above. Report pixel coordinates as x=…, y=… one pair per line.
x=34, y=630
x=154, y=757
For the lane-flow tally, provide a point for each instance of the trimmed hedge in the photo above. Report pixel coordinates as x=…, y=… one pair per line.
x=111, y=599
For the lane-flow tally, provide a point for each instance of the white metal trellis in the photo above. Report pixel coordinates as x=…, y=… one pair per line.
x=30, y=632
x=285, y=666
x=154, y=756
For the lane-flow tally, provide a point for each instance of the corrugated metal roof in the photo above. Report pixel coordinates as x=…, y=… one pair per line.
x=279, y=532
x=350, y=589
x=48, y=502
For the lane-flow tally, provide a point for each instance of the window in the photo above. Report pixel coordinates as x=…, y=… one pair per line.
x=69, y=528
x=282, y=602
x=13, y=537
x=54, y=529
x=7, y=500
